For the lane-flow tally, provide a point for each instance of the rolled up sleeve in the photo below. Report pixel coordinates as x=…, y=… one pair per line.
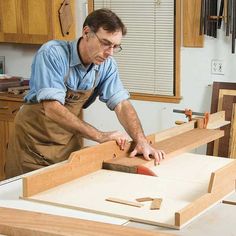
x=48, y=70
x=117, y=98
x=51, y=94
x=111, y=89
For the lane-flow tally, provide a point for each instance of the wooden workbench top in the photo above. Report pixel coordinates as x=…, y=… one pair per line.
x=11, y=97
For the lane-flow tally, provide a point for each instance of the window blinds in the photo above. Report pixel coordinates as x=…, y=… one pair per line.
x=146, y=63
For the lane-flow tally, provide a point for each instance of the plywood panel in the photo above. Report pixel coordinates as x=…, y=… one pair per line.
x=182, y=180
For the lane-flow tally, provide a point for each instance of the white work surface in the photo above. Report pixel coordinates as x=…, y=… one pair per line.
x=219, y=220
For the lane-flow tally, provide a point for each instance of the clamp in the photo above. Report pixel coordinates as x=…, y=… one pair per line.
x=189, y=114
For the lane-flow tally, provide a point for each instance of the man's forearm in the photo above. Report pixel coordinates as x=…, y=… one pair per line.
x=64, y=118
x=130, y=121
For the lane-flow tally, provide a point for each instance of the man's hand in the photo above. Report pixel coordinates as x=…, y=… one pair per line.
x=147, y=151
x=120, y=138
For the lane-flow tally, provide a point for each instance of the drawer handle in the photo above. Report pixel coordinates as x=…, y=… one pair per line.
x=4, y=108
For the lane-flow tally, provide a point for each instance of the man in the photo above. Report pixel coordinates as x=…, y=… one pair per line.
x=66, y=77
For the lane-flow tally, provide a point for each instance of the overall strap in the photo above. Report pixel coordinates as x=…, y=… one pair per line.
x=69, y=69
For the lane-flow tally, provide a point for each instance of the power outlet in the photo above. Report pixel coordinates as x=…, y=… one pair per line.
x=217, y=67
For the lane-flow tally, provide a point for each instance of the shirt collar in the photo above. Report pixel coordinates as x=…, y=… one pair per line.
x=74, y=56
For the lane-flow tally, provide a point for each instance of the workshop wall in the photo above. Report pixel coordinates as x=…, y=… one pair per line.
x=196, y=81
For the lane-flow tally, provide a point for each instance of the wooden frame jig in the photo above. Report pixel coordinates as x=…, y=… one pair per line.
x=89, y=160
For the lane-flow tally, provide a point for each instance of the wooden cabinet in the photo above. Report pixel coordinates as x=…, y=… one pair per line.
x=8, y=109
x=32, y=21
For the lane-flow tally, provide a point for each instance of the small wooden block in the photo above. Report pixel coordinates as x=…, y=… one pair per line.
x=156, y=204
x=144, y=199
x=121, y=201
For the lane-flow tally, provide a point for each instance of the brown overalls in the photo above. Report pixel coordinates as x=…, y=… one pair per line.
x=37, y=141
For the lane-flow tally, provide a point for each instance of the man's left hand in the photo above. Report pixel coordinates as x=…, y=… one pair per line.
x=148, y=152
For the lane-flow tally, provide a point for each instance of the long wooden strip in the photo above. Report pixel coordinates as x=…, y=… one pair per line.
x=18, y=222
x=188, y=141
x=217, y=120
x=171, y=132
x=125, y=202
x=171, y=146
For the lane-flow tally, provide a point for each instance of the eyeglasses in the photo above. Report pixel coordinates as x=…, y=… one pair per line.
x=108, y=45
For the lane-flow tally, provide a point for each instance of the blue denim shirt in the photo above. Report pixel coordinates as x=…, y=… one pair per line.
x=51, y=65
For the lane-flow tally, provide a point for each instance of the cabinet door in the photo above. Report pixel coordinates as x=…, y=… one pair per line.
x=35, y=20
x=6, y=128
x=8, y=110
x=26, y=21
x=31, y=21
x=8, y=18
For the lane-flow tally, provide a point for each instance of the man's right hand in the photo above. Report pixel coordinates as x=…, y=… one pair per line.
x=120, y=138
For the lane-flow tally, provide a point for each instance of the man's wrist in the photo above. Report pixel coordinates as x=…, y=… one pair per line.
x=141, y=138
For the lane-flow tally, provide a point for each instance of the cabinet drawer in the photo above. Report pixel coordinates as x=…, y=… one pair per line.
x=8, y=109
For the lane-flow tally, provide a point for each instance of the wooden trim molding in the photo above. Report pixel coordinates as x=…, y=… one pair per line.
x=90, y=6
x=155, y=98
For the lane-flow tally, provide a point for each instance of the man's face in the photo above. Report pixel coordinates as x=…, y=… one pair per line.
x=101, y=44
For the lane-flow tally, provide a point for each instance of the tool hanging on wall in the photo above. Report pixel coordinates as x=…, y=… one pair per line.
x=65, y=17
x=211, y=18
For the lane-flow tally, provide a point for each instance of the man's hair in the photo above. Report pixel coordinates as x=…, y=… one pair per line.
x=106, y=19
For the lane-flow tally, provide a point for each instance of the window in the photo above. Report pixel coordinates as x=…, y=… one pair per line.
x=149, y=62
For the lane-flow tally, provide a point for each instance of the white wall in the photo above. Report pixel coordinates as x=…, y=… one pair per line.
x=196, y=81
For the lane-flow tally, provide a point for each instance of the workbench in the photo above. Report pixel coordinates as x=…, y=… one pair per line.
x=219, y=220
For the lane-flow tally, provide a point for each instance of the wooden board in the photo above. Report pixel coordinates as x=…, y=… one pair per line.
x=183, y=180
x=224, y=142
x=18, y=222
x=232, y=140
x=217, y=86
x=171, y=146
x=217, y=120
x=191, y=24
x=225, y=101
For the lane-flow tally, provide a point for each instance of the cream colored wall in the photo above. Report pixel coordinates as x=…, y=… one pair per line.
x=196, y=81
